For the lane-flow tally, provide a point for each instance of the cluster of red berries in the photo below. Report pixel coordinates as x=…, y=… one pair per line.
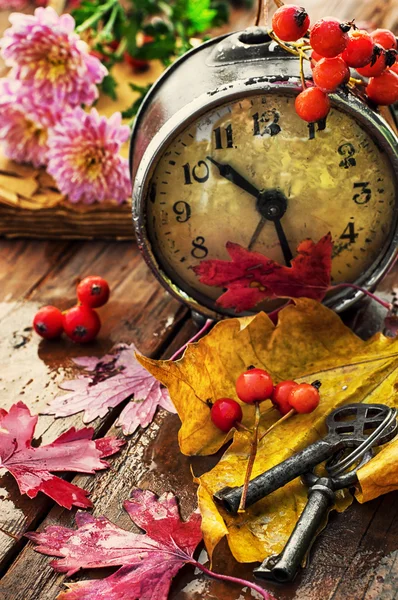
x=255, y=386
x=337, y=47
x=80, y=323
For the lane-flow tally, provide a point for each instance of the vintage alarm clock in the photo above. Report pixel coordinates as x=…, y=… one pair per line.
x=219, y=154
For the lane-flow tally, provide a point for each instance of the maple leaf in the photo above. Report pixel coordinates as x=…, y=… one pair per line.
x=148, y=561
x=113, y=378
x=74, y=450
x=251, y=277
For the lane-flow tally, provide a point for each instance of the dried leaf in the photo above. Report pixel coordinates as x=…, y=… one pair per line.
x=74, y=451
x=23, y=186
x=310, y=342
x=113, y=378
x=13, y=168
x=149, y=561
x=251, y=277
x=380, y=475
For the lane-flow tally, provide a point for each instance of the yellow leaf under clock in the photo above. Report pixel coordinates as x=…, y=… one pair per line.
x=310, y=342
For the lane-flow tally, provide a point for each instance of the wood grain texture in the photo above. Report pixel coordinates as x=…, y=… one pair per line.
x=31, y=369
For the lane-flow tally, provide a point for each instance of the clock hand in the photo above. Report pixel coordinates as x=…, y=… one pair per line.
x=257, y=232
x=271, y=204
x=229, y=173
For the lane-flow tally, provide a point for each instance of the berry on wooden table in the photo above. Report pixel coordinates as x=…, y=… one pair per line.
x=254, y=385
x=81, y=324
x=290, y=22
x=280, y=396
x=48, y=322
x=304, y=398
x=385, y=38
x=225, y=413
x=383, y=89
x=312, y=105
x=330, y=73
x=360, y=48
x=93, y=291
x=329, y=37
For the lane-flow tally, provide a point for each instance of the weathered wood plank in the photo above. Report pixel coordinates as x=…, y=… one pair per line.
x=139, y=311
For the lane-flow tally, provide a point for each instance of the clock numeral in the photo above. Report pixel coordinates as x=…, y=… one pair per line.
x=199, y=250
x=183, y=210
x=267, y=123
x=200, y=172
x=348, y=151
x=228, y=137
x=349, y=233
x=364, y=195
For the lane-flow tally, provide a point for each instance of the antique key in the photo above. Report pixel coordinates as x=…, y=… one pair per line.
x=358, y=426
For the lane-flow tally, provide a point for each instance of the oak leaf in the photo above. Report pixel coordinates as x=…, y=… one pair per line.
x=110, y=380
x=32, y=467
x=309, y=342
x=149, y=562
x=251, y=277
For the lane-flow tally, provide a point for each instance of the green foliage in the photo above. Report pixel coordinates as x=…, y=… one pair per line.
x=133, y=109
x=168, y=27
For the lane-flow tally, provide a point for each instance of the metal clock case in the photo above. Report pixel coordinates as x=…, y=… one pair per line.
x=218, y=154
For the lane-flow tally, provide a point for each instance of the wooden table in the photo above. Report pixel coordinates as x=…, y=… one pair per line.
x=355, y=558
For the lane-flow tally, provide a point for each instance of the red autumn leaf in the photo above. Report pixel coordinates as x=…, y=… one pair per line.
x=149, y=561
x=111, y=380
x=32, y=467
x=250, y=277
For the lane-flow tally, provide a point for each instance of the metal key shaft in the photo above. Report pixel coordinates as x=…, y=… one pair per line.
x=284, y=566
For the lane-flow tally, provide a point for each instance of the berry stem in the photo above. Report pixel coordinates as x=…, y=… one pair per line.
x=259, y=12
x=302, y=76
x=206, y=326
x=383, y=303
x=252, y=457
x=240, y=427
x=243, y=582
x=281, y=420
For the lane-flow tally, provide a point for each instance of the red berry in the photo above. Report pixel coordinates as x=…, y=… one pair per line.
x=81, y=324
x=290, y=22
x=225, y=412
x=254, y=385
x=394, y=68
x=280, y=396
x=312, y=105
x=138, y=65
x=48, y=322
x=329, y=73
x=314, y=58
x=380, y=63
x=360, y=48
x=329, y=37
x=385, y=38
x=384, y=88
x=304, y=398
x=93, y=291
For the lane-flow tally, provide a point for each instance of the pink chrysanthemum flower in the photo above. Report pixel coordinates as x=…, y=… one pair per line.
x=24, y=123
x=44, y=52
x=84, y=157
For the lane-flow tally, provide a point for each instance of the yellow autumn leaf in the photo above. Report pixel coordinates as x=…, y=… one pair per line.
x=310, y=342
x=380, y=475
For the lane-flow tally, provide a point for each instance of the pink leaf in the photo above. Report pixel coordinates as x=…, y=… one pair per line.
x=148, y=561
x=112, y=379
x=74, y=450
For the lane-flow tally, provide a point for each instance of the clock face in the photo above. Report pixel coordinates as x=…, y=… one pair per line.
x=248, y=173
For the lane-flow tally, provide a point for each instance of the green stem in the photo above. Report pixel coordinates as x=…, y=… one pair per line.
x=96, y=17
x=106, y=33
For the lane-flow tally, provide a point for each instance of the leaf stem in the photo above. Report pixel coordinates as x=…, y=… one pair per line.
x=206, y=326
x=243, y=582
x=281, y=420
x=383, y=303
x=252, y=458
x=97, y=16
